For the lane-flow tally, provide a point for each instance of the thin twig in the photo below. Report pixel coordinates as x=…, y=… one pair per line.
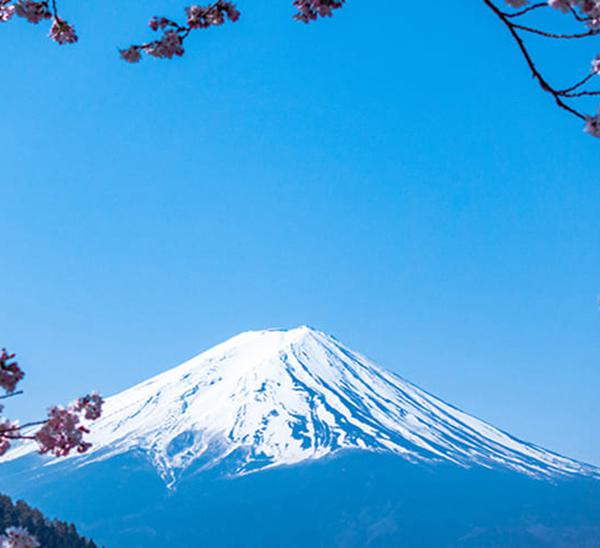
x=526, y=10
x=577, y=16
x=21, y=427
x=582, y=94
x=578, y=85
x=591, y=32
x=11, y=394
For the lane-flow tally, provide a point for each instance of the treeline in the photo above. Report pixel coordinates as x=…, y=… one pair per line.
x=49, y=533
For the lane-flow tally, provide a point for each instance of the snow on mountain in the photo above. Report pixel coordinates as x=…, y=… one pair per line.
x=277, y=397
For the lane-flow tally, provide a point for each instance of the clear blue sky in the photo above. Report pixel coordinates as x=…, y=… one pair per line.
x=395, y=179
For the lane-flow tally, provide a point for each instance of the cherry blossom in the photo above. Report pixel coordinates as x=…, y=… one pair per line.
x=90, y=405
x=62, y=33
x=34, y=12
x=202, y=17
x=157, y=23
x=131, y=54
x=62, y=433
x=561, y=5
x=171, y=42
x=7, y=10
x=170, y=45
x=7, y=431
x=592, y=125
x=10, y=373
x=309, y=10
x=18, y=537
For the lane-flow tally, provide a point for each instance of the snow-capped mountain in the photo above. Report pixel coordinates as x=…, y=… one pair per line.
x=279, y=397
x=172, y=457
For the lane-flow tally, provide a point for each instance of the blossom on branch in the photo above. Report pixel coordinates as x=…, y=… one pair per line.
x=90, y=405
x=592, y=125
x=131, y=54
x=8, y=431
x=18, y=537
x=560, y=5
x=309, y=10
x=202, y=17
x=171, y=43
x=589, y=9
x=7, y=10
x=157, y=23
x=37, y=11
x=62, y=32
x=62, y=431
x=34, y=12
x=10, y=373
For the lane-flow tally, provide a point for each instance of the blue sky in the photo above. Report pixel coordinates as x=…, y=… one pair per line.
x=393, y=178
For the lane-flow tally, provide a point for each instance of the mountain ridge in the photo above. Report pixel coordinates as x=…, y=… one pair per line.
x=283, y=396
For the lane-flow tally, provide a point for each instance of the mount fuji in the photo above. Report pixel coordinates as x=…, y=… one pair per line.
x=288, y=404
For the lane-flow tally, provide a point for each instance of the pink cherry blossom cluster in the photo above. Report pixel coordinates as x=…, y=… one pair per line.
x=8, y=430
x=592, y=125
x=34, y=12
x=10, y=373
x=61, y=432
x=586, y=12
x=171, y=42
x=7, y=10
x=310, y=10
x=18, y=537
x=37, y=11
x=202, y=17
x=63, y=33
x=90, y=406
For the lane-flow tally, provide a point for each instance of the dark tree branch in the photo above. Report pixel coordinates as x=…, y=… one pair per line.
x=11, y=394
x=545, y=85
x=526, y=10
x=566, y=91
x=587, y=34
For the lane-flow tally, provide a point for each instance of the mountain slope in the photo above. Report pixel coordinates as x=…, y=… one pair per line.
x=353, y=499
x=275, y=397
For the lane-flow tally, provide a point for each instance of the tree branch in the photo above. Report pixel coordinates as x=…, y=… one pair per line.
x=11, y=394
x=526, y=10
x=545, y=85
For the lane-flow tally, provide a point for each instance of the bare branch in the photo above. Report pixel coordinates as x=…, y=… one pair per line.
x=591, y=32
x=526, y=10
x=578, y=85
x=11, y=394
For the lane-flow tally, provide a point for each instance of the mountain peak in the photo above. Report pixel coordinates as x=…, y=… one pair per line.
x=278, y=335
x=281, y=396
